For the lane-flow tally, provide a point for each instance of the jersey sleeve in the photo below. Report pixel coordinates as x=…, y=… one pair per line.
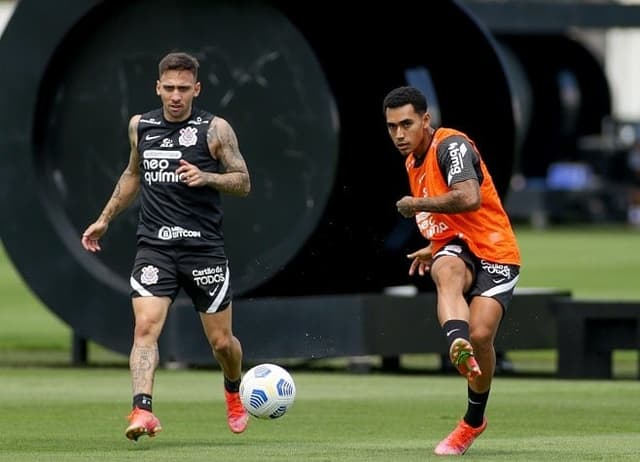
x=458, y=160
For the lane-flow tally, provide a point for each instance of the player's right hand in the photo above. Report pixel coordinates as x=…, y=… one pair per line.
x=91, y=236
x=406, y=206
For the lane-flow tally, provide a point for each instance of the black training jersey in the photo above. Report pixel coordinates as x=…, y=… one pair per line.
x=171, y=212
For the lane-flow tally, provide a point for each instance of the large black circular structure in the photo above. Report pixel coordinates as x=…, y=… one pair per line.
x=304, y=94
x=73, y=91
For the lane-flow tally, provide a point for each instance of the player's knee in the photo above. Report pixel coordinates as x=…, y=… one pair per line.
x=450, y=270
x=481, y=337
x=144, y=328
x=222, y=343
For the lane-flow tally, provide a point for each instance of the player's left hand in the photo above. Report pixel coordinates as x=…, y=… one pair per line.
x=190, y=175
x=405, y=206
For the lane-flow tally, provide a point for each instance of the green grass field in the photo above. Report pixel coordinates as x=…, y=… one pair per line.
x=52, y=412
x=79, y=415
x=594, y=263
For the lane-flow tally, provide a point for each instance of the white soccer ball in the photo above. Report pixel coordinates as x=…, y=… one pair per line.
x=267, y=391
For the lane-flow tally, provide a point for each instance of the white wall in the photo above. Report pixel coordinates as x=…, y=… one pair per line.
x=6, y=10
x=622, y=66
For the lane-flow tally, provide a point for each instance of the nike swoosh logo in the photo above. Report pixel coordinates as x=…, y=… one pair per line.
x=498, y=281
x=452, y=331
x=149, y=137
x=212, y=292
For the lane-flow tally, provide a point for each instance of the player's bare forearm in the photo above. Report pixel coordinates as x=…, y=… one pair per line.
x=452, y=202
x=233, y=183
x=223, y=145
x=123, y=195
x=463, y=197
x=128, y=185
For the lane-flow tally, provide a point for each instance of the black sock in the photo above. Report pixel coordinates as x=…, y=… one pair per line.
x=477, y=402
x=455, y=329
x=142, y=401
x=232, y=386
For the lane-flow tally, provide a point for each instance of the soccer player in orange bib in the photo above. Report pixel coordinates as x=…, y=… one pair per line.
x=472, y=255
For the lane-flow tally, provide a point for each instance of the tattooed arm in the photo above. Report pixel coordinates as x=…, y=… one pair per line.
x=123, y=194
x=462, y=197
x=223, y=145
x=128, y=185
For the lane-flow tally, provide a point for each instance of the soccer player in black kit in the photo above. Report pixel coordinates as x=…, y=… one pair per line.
x=181, y=159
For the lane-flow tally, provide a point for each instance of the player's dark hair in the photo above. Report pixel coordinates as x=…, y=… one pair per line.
x=179, y=61
x=402, y=96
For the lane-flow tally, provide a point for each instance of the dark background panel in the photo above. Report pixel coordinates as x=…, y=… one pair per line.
x=304, y=94
x=67, y=141
x=570, y=97
x=257, y=72
x=361, y=243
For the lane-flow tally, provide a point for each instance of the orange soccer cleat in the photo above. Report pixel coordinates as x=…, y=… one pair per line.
x=460, y=439
x=237, y=415
x=461, y=355
x=142, y=422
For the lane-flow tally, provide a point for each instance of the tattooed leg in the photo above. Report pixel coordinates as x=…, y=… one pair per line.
x=150, y=315
x=142, y=363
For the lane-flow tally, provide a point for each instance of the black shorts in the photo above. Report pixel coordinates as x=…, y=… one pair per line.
x=490, y=279
x=202, y=273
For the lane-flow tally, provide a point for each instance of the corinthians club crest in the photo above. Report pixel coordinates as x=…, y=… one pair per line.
x=188, y=136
